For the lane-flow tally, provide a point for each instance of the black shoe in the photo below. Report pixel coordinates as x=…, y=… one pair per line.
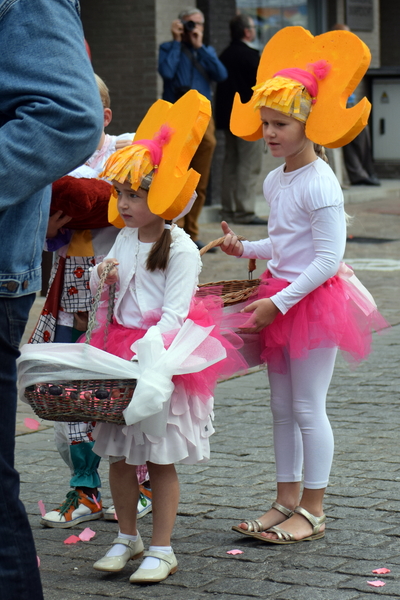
x=200, y=245
x=254, y=221
x=370, y=181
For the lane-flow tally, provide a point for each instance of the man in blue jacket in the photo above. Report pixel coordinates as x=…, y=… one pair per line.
x=186, y=64
x=51, y=119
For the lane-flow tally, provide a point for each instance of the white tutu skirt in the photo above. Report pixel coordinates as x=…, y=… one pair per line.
x=189, y=426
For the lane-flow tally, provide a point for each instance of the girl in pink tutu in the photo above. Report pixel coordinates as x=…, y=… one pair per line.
x=156, y=269
x=309, y=303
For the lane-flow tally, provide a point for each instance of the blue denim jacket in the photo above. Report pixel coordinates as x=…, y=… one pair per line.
x=51, y=119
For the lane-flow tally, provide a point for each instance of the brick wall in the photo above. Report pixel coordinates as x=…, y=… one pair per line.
x=122, y=38
x=390, y=44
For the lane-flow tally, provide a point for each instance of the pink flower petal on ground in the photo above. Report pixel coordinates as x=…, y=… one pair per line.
x=31, y=423
x=41, y=508
x=72, y=539
x=234, y=552
x=38, y=561
x=376, y=583
x=87, y=534
x=381, y=571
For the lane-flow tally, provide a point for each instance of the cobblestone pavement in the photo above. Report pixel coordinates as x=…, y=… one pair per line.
x=362, y=503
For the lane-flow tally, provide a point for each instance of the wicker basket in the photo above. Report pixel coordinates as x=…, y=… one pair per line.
x=234, y=291
x=91, y=400
x=84, y=400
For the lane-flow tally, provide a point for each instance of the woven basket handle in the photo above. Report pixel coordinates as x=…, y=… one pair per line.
x=96, y=300
x=219, y=242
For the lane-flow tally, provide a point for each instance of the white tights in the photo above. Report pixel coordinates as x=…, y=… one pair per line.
x=302, y=432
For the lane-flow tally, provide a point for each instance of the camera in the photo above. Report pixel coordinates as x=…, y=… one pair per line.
x=188, y=25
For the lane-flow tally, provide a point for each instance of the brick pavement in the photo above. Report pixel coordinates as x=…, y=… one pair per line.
x=362, y=503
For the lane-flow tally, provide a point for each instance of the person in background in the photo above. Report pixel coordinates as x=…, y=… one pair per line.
x=185, y=64
x=358, y=154
x=50, y=122
x=242, y=161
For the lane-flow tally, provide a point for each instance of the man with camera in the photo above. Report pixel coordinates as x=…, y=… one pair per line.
x=187, y=64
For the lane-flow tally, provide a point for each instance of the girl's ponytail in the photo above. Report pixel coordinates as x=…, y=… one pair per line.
x=159, y=253
x=320, y=152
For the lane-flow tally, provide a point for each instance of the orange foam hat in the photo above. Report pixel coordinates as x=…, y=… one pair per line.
x=173, y=182
x=330, y=123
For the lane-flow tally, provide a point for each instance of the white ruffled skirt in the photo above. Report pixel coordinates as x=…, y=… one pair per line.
x=189, y=426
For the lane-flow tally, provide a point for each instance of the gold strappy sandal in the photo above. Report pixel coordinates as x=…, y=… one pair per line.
x=287, y=538
x=255, y=527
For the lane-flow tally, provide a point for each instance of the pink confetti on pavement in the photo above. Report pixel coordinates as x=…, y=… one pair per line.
x=381, y=571
x=234, y=552
x=95, y=501
x=41, y=508
x=72, y=539
x=38, y=561
x=31, y=423
x=376, y=583
x=87, y=534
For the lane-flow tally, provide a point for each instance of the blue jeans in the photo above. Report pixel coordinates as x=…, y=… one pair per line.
x=19, y=573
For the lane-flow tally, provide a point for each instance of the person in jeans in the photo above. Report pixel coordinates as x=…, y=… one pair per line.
x=49, y=124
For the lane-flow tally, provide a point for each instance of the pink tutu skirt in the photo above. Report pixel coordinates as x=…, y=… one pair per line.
x=336, y=314
x=207, y=311
x=189, y=421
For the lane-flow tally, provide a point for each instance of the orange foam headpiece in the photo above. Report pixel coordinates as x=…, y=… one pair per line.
x=329, y=123
x=173, y=183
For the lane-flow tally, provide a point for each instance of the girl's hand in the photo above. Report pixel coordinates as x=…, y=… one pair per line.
x=264, y=312
x=56, y=222
x=112, y=277
x=231, y=244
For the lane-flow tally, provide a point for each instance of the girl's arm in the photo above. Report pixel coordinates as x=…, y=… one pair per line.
x=327, y=226
x=182, y=275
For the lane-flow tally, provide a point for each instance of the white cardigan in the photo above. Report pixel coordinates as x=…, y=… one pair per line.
x=168, y=293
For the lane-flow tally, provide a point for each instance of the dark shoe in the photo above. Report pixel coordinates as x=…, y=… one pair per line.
x=370, y=181
x=254, y=221
x=200, y=245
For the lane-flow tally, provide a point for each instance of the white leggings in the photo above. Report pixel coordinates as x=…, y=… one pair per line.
x=302, y=432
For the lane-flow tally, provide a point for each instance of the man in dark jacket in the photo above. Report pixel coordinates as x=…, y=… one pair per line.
x=242, y=162
x=187, y=64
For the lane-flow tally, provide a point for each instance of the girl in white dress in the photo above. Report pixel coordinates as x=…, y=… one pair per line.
x=156, y=268
x=307, y=305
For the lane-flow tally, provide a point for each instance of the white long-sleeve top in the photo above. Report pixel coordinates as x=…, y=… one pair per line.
x=307, y=230
x=167, y=293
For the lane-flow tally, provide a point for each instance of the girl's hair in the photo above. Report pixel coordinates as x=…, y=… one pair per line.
x=159, y=253
x=320, y=152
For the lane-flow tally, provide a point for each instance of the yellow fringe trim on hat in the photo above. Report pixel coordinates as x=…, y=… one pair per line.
x=131, y=163
x=283, y=94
